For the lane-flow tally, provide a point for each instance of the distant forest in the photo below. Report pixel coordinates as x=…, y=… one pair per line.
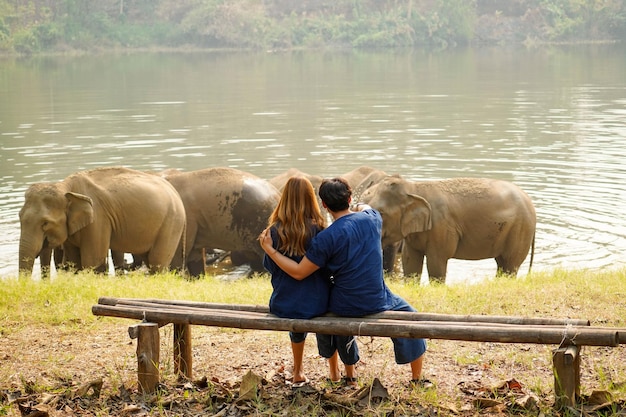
x=41, y=26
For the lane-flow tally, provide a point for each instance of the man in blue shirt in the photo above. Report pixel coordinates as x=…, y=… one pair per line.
x=351, y=249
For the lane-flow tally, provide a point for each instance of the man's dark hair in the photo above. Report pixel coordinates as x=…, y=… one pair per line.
x=335, y=193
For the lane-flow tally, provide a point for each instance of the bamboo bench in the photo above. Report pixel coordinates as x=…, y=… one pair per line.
x=567, y=334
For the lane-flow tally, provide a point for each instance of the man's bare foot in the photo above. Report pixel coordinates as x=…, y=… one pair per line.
x=351, y=382
x=335, y=375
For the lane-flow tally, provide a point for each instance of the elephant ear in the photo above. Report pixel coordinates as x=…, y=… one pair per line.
x=417, y=216
x=79, y=211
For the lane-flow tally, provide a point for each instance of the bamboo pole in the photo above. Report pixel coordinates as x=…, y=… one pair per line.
x=396, y=315
x=562, y=336
x=392, y=318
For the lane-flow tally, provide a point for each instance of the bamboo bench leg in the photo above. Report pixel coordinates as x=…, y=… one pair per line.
x=182, y=351
x=148, y=352
x=566, y=363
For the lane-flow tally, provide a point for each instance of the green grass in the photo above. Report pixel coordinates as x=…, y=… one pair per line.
x=67, y=298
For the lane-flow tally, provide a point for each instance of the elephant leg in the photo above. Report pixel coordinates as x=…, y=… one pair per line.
x=506, y=267
x=59, y=259
x=195, y=268
x=390, y=253
x=437, y=266
x=253, y=259
x=195, y=263
x=440, y=249
x=238, y=258
x=138, y=261
x=412, y=261
x=160, y=256
x=71, y=257
x=45, y=256
x=94, y=251
x=119, y=264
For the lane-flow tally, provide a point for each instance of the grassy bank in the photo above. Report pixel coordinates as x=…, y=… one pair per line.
x=50, y=344
x=67, y=298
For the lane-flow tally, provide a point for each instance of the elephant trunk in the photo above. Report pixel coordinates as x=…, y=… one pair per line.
x=27, y=253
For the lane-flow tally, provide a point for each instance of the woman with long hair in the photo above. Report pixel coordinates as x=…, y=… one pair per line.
x=295, y=221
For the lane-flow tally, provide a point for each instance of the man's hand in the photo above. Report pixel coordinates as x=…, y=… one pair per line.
x=360, y=207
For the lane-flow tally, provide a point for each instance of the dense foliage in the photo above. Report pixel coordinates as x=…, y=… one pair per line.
x=28, y=26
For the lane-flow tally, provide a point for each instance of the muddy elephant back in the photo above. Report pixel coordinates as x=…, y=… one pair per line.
x=226, y=209
x=252, y=211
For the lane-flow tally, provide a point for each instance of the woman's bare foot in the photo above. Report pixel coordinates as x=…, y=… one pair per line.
x=298, y=378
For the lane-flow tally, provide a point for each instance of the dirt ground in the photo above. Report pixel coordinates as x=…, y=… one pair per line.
x=90, y=370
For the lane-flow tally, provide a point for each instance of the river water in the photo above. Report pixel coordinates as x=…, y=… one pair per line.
x=552, y=120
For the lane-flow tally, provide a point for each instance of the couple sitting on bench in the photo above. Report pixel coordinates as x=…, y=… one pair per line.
x=338, y=269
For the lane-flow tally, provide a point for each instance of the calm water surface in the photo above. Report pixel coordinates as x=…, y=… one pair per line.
x=551, y=120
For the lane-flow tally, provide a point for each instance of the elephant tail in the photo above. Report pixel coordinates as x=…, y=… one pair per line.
x=532, y=253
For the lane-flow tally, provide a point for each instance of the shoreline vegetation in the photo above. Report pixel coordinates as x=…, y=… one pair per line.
x=31, y=27
x=52, y=349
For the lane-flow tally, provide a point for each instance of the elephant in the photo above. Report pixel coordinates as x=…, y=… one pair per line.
x=461, y=218
x=226, y=209
x=361, y=179
x=91, y=211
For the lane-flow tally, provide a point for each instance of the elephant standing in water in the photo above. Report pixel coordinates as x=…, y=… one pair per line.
x=226, y=209
x=91, y=211
x=463, y=218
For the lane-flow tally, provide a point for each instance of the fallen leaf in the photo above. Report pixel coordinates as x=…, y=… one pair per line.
x=250, y=385
x=486, y=403
x=376, y=391
x=599, y=397
x=95, y=386
x=509, y=385
x=527, y=402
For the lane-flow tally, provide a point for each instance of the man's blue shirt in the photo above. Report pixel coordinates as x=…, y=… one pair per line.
x=350, y=248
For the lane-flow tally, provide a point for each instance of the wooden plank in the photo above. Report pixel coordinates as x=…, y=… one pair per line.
x=382, y=317
x=396, y=315
x=561, y=336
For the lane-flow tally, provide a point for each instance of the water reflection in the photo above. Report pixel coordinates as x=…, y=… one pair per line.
x=551, y=121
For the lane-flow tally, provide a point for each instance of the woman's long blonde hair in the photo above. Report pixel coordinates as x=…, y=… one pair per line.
x=296, y=216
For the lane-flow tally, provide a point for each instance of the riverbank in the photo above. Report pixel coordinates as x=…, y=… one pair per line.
x=30, y=27
x=55, y=356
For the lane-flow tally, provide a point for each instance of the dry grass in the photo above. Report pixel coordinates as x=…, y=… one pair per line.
x=51, y=346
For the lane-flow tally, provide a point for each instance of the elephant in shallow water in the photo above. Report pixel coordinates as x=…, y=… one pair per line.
x=226, y=209
x=91, y=211
x=462, y=218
